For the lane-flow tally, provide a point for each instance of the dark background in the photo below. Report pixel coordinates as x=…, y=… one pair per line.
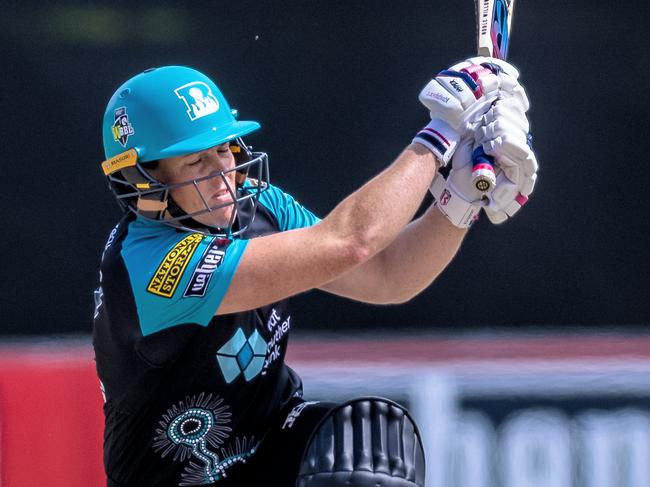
x=335, y=85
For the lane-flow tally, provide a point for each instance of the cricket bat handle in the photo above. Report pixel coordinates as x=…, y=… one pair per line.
x=493, y=21
x=484, y=177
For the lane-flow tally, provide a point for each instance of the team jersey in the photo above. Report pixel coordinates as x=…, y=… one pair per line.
x=188, y=395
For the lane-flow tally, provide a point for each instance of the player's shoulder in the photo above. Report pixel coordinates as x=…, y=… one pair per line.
x=160, y=252
x=271, y=194
x=151, y=237
x=286, y=209
x=177, y=276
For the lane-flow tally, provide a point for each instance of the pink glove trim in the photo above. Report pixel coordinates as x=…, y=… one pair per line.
x=521, y=199
x=484, y=166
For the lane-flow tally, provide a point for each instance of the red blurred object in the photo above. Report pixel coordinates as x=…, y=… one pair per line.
x=51, y=422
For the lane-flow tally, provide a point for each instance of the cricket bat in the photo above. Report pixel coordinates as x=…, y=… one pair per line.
x=493, y=22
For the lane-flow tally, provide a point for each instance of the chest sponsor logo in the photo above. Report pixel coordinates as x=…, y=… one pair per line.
x=166, y=278
x=210, y=262
x=242, y=355
x=278, y=327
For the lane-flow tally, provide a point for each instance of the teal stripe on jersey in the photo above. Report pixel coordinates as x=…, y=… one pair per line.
x=177, y=277
x=289, y=213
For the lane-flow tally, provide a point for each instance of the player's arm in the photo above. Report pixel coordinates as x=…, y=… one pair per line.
x=364, y=224
x=407, y=266
x=287, y=263
x=425, y=246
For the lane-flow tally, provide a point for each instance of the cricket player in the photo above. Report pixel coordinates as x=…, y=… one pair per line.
x=191, y=320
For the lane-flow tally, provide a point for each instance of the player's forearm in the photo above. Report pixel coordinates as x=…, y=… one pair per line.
x=376, y=213
x=420, y=253
x=404, y=268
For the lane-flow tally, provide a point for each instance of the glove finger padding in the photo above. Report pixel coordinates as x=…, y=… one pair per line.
x=506, y=109
x=514, y=183
x=504, y=193
x=501, y=129
x=496, y=217
x=511, y=149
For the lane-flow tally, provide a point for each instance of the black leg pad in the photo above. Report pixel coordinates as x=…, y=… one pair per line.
x=366, y=442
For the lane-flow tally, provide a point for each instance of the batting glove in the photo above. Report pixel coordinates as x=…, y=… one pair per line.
x=503, y=134
x=458, y=96
x=456, y=197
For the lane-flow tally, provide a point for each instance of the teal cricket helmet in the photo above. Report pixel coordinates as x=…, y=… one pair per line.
x=169, y=111
x=172, y=111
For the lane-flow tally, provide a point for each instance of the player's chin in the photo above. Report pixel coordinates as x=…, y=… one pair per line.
x=218, y=218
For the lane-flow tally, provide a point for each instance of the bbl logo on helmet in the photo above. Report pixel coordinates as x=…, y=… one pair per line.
x=122, y=128
x=198, y=99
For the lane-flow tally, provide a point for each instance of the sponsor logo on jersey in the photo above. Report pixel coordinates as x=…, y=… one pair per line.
x=122, y=128
x=198, y=98
x=166, y=278
x=295, y=412
x=210, y=261
x=242, y=355
x=278, y=327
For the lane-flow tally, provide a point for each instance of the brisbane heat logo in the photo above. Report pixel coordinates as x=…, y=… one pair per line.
x=122, y=128
x=198, y=98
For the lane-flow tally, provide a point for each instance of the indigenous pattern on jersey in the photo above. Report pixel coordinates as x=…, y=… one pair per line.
x=189, y=396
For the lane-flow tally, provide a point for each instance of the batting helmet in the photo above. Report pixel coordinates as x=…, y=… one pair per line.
x=172, y=111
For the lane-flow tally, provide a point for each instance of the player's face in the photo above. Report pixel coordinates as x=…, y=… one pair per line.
x=216, y=191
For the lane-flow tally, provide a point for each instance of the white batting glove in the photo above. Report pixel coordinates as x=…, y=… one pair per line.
x=456, y=197
x=504, y=135
x=457, y=97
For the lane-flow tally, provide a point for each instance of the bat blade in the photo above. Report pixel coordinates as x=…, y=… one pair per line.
x=493, y=21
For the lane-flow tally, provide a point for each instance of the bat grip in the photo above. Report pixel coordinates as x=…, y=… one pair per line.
x=483, y=174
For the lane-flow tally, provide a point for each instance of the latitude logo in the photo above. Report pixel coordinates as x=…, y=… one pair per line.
x=241, y=355
x=198, y=98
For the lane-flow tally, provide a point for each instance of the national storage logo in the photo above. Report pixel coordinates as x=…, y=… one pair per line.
x=169, y=273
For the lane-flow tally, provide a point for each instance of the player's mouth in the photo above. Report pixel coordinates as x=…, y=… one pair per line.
x=221, y=197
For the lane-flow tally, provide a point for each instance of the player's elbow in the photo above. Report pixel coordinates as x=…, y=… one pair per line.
x=352, y=249
x=355, y=252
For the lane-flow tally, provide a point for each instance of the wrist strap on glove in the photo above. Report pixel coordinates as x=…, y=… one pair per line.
x=461, y=213
x=440, y=138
